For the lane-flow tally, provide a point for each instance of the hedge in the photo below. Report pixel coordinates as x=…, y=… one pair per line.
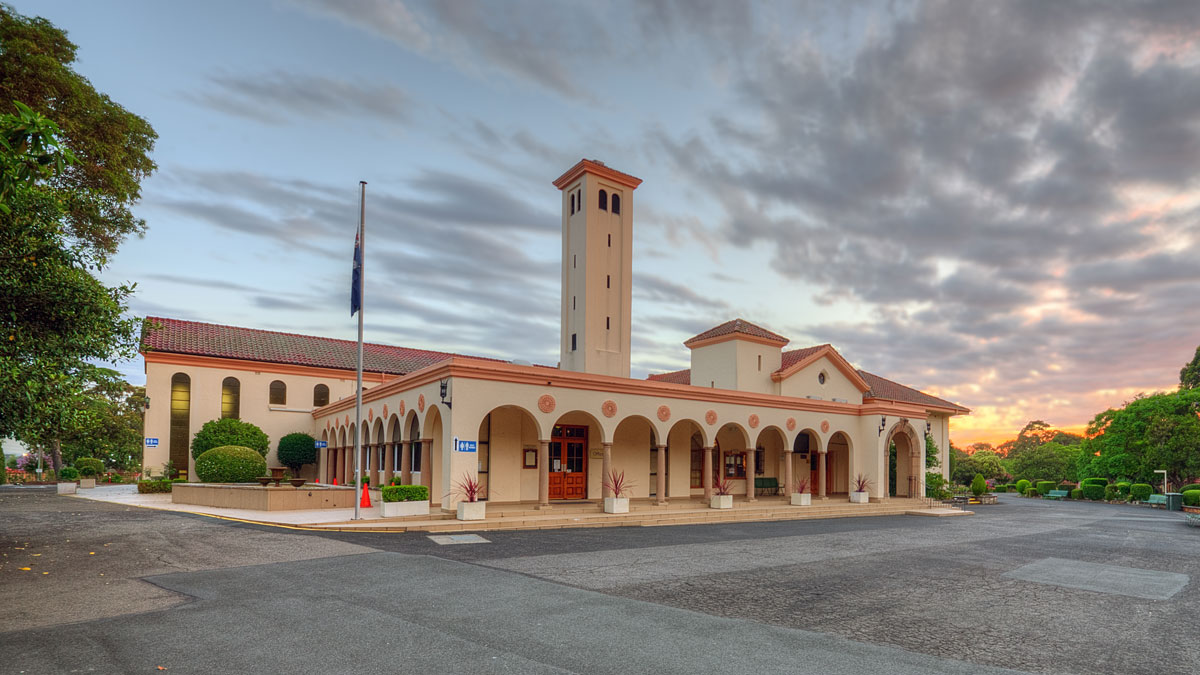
x=1022, y=486
x=1093, y=481
x=1067, y=486
x=229, y=432
x=405, y=493
x=1123, y=488
x=89, y=466
x=230, y=464
x=1093, y=491
x=1044, y=487
x=1140, y=492
x=1192, y=497
x=147, y=487
x=999, y=488
x=1012, y=487
x=1032, y=492
x=1111, y=493
x=68, y=473
x=1077, y=493
x=1193, y=486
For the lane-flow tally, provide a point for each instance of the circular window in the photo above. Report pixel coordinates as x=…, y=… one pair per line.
x=821, y=378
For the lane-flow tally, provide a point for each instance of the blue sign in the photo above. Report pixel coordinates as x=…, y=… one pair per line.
x=464, y=446
x=320, y=444
x=151, y=442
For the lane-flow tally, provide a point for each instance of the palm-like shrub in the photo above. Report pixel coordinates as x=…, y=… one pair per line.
x=229, y=431
x=296, y=450
x=230, y=464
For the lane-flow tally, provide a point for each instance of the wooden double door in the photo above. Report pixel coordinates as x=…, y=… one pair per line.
x=568, y=462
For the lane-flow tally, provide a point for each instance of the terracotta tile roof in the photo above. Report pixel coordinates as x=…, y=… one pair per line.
x=883, y=388
x=791, y=358
x=600, y=169
x=251, y=344
x=739, y=327
x=677, y=377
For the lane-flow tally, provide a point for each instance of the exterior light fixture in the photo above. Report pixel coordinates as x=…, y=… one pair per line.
x=882, y=424
x=445, y=388
x=928, y=428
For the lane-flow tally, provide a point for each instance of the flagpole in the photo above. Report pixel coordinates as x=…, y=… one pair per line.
x=362, y=264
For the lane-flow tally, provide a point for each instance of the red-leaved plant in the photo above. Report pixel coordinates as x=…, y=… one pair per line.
x=723, y=486
x=861, y=483
x=469, y=488
x=617, y=484
x=801, y=486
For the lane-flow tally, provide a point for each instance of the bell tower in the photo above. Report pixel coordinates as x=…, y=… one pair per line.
x=597, y=268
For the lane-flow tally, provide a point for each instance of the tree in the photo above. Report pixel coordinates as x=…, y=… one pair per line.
x=978, y=485
x=296, y=450
x=1160, y=431
x=1189, y=376
x=981, y=446
x=1049, y=461
x=71, y=162
x=229, y=431
x=932, y=453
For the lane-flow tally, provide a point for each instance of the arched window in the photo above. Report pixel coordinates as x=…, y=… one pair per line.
x=603, y=201
x=231, y=398
x=181, y=408
x=278, y=393
x=616, y=203
x=320, y=396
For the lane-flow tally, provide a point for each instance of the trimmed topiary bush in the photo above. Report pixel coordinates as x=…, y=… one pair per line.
x=1093, y=481
x=405, y=493
x=1012, y=487
x=1022, y=486
x=1111, y=493
x=1188, y=488
x=1044, y=487
x=1067, y=486
x=68, y=473
x=1192, y=497
x=999, y=488
x=1093, y=491
x=1140, y=492
x=148, y=487
x=295, y=450
x=1123, y=488
x=1077, y=493
x=230, y=464
x=89, y=466
x=1032, y=492
x=229, y=432
x=978, y=485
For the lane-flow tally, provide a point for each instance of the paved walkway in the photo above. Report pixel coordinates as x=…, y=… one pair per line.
x=128, y=496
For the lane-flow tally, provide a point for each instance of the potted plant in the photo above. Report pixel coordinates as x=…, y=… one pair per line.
x=724, y=497
x=861, y=493
x=407, y=500
x=620, y=488
x=89, y=468
x=66, y=480
x=470, y=508
x=800, y=494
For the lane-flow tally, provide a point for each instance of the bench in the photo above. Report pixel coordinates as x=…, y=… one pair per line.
x=1157, y=500
x=766, y=486
x=1057, y=494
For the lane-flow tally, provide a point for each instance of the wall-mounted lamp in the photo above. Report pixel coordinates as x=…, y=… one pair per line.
x=146, y=403
x=445, y=388
x=882, y=424
x=928, y=428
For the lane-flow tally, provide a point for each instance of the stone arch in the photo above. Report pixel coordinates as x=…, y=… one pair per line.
x=635, y=454
x=771, y=458
x=411, y=420
x=433, y=445
x=686, y=441
x=730, y=457
x=839, y=450
x=593, y=456
x=505, y=433
x=908, y=477
x=376, y=451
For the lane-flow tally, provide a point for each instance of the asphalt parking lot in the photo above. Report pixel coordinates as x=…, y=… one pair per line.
x=1025, y=585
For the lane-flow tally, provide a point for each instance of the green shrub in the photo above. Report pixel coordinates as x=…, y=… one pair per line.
x=89, y=466
x=1192, y=497
x=1044, y=487
x=1111, y=493
x=935, y=486
x=1032, y=492
x=1011, y=487
x=1093, y=481
x=405, y=493
x=1022, y=486
x=1067, y=486
x=296, y=450
x=68, y=473
x=999, y=488
x=230, y=464
x=116, y=478
x=978, y=485
x=1140, y=492
x=1123, y=488
x=1093, y=491
x=1188, y=488
x=229, y=432
x=179, y=480
x=1077, y=493
x=147, y=487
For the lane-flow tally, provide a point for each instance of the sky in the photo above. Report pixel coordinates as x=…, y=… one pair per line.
x=994, y=202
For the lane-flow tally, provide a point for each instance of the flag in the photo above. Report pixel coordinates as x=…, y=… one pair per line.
x=356, y=278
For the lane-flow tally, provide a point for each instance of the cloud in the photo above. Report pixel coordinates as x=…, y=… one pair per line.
x=277, y=96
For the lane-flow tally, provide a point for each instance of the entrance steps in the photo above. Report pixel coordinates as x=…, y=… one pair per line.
x=643, y=513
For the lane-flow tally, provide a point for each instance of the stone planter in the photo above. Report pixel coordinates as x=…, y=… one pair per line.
x=860, y=497
x=471, y=510
x=416, y=508
x=616, y=504
x=721, y=502
x=801, y=499
x=66, y=488
x=87, y=483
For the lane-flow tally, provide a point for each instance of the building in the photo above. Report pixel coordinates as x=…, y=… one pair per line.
x=746, y=408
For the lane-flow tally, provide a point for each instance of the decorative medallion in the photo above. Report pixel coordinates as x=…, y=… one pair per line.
x=753, y=421
x=402, y=408
x=711, y=417
x=664, y=413
x=421, y=403
x=609, y=408
x=791, y=423
x=385, y=411
x=546, y=403
x=824, y=426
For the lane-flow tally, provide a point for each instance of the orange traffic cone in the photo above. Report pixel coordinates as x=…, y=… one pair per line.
x=366, y=499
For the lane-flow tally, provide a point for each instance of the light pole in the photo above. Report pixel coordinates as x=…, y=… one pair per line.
x=1164, y=473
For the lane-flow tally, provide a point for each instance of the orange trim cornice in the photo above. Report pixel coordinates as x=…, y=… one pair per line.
x=551, y=377
x=923, y=407
x=695, y=344
x=588, y=166
x=829, y=352
x=258, y=366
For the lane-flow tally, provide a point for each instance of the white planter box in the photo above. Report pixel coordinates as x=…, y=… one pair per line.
x=860, y=497
x=616, y=504
x=801, y=499
x=721, y=502
x=87, y=483
x=66, y=488
x=399, y=509
x=471, y=510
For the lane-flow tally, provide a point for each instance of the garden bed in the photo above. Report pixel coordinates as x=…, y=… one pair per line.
x=258, y=498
